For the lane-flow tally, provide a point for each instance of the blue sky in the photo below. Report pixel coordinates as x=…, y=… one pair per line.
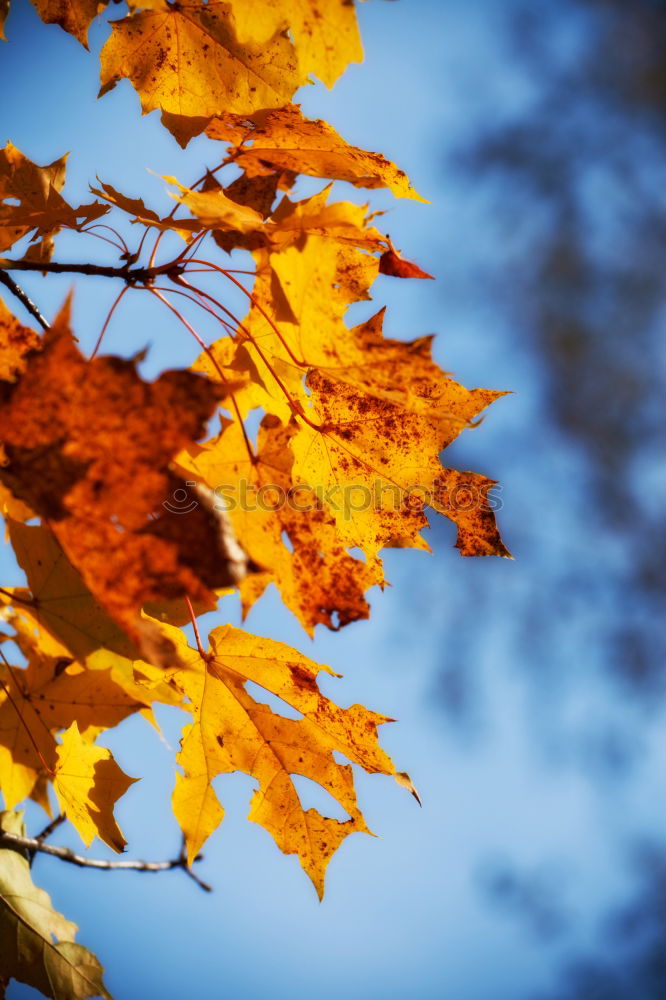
x=404, y=914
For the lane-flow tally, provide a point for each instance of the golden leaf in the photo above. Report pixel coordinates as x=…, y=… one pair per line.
x=73, y=16
x=215, y=210
x=87, y=783
x=325, y=31
x=47, y=696
x=282, y=139
x=317, y=578
x=231, y=731
x=187, y=61
x=4, y=10
x=383, y=411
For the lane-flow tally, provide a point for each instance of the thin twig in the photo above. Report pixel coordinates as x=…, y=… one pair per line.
x=46, y=832
x=33, y=844
x=24, y=298
x=50, y=828
x=195, y=626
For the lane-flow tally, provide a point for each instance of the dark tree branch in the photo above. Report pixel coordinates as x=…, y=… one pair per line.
x=130, y=275
x=35, y=845
x=23, y=297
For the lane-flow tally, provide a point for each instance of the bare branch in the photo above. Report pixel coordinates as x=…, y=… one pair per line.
x=35, y=845
x=127, y=273
x=23, y=297
x=49, y=829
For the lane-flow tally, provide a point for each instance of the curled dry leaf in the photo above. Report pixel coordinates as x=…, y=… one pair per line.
x=393, y=264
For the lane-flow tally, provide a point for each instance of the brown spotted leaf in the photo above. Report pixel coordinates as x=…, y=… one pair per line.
x=381, y=412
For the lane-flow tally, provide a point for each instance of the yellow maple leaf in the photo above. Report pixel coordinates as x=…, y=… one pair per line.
x=342, y=221
x=215, y=210
x=300, y=296
x=87, y=783
x=282, y=139
x=231, y=731
x=47, y=696
x=325, y=32
x=381, y=412
x=187, y=61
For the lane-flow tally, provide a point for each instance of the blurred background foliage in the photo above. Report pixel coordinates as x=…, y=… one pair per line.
x=570, y=184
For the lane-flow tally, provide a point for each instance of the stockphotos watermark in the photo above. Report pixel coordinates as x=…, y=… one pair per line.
x=348, y=500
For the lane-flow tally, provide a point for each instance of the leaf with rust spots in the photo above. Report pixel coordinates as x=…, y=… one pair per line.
x=284, y=140
x=396, y=266
x=382, y=412
x=109, y=507
x=187, y=61
x=325, y=32
x=318, y=580
x=73, y=16
x=87, y=783
x=41, y=209
x=51, y=693
x=465, y=498
x=231, y=731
